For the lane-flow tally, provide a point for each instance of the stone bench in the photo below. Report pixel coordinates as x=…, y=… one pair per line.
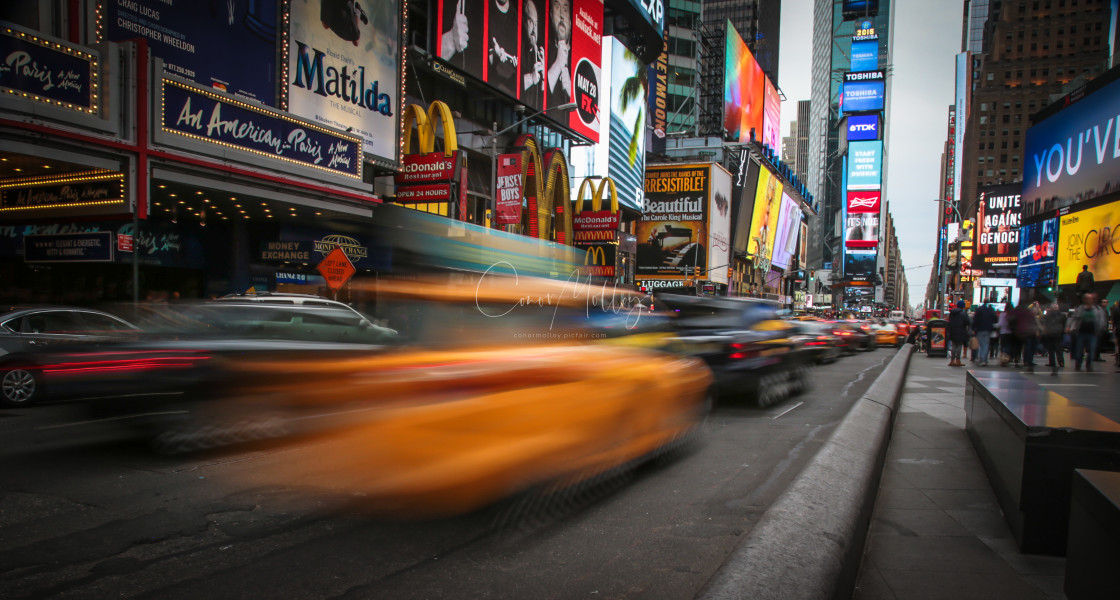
x=1094, y=537
x=1030, y=440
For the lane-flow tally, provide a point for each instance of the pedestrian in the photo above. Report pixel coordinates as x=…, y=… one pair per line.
x=1085, y=282
x=1085, y=326
x=958, y=333
x=983, y=325
x=1104, y=335
x=1008, y=344
x=1053, y=326
x=1025, y=319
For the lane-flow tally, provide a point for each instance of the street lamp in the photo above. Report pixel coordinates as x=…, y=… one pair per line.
x=961, y=237
x=494, y=152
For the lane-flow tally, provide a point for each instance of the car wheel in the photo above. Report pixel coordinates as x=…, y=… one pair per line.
x=18, y=386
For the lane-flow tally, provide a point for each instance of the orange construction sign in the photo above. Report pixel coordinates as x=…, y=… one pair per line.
x=336, y=268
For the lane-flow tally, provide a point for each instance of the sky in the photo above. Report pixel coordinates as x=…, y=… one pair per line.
x=927, y=38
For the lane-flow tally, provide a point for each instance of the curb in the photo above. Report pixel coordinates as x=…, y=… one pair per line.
x=809, y=543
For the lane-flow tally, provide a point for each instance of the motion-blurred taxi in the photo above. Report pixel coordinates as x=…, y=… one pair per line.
x=886, y=334
x=496, y=385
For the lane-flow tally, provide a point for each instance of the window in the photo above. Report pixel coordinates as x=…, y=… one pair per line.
x=983, y=119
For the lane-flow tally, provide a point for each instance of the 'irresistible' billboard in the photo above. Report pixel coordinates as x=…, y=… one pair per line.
x=686, y=222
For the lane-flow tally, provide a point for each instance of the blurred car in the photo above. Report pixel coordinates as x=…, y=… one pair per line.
x=29, y=331
x=487, y=388
x=751, y=351
x=820, y=339
x=886, y=334
x=853, y=337
x=903, y=328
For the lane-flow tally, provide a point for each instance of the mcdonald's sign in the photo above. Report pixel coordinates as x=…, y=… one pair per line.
x=599, y=261
x=595, y=218
x=420, y=171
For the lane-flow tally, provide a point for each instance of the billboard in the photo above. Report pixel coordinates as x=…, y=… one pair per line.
x=772, y=118
x=861, y=230
x=859, y=265
x=346, y=75
x=863, y=92
x=998, y=213
x=865, y=55
x=856, y=9
x=744, y=86
x=1073, y=155
x=543, y=52
x=620, y=152
x=1087, y=237
x=862, y=128
x=962, y=94
x=864, y=202
x=1038, y=254
x=719, y=226
x=197, y=44
x=674, y=225
x=764, y=218
x=789, y=224
x=744, y=181
x=865, y=165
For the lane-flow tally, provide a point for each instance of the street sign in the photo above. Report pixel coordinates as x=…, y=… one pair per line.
x=336, y=268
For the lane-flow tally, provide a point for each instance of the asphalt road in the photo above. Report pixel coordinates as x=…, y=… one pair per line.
x=86, y=518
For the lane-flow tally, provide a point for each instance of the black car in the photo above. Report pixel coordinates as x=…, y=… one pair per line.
x=820, y=339
x=752, y=352
x=28, y=332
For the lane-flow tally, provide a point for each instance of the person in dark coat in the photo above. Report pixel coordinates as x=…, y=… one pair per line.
x=1053, y=327
x=958, y=333
x=982, y=325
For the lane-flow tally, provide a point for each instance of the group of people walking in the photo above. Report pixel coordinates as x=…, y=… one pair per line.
x=1014, y=334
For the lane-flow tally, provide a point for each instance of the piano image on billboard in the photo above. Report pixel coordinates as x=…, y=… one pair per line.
x=670, y=248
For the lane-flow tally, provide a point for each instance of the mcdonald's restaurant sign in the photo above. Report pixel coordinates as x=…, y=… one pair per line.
x=599, y=261
x=430, y=175
x=593, y=224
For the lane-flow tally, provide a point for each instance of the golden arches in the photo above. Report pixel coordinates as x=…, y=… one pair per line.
x=605, y=183
x=547, y=188
x=426, y=130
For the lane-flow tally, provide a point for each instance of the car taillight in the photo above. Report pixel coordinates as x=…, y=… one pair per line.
x=143, y=361
x=741, y=351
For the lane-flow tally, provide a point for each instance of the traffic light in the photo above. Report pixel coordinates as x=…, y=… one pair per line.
x=812, y=275
x=730, y=273
x=696, y=272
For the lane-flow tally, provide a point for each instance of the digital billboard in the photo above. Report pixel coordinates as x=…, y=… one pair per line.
x=719, y=226
x=197, y=44
x=772, y=118
x=1072, y=155
x=619, y=153
x=865, y=165
x=862, y=95
x=865, y=55
x=998, y=213
x=744, y=86
x=347, y=76
x=744, y=180
x=543, y=52
x=764, y=218
x=862, y=127
x=861, y=230
x=789, y=224
x=859, y=265
x=1038, y=254
x=673, y=229
x=1087, y=237
x=856, y=9
x=866, y=201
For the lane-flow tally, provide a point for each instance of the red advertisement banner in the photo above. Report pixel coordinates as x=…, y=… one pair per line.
x=864, y=201
x=437, y=192
x=510, y=186
x=595, y=220
x=427, y=168
x=586, y=72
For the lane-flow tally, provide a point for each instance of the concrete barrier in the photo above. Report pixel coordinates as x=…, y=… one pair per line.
x=809, y=543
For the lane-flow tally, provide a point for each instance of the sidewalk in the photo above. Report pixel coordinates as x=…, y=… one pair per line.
x=937, y=530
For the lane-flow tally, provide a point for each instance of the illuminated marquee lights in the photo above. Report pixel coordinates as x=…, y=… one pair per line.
x=85, y=177
x=86, y=56
x=548, y=196
x=270, y=114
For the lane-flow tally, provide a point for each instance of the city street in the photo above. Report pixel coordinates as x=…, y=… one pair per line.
x=94, y=520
